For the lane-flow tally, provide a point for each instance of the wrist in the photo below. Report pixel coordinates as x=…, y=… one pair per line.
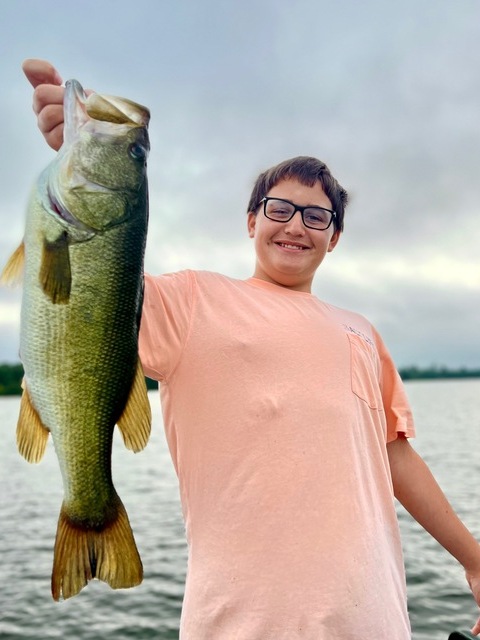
x=472, y=567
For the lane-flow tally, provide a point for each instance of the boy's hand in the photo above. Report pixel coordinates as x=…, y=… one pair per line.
x=474, y=583
x=47, y=99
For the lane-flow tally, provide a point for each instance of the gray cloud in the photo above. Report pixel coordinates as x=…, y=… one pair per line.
x=385, y=93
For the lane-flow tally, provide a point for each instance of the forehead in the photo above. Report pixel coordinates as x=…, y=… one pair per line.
x=300, y=193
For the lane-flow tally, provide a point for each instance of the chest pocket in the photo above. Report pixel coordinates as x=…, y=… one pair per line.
x=364, y=372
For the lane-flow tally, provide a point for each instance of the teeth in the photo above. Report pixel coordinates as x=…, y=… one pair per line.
x=291, y=246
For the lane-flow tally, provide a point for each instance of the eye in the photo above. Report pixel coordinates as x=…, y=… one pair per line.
x=279, y=210
x=137, y=152
x=317, y=217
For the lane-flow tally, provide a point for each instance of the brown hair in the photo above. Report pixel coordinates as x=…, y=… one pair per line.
x=308, y=171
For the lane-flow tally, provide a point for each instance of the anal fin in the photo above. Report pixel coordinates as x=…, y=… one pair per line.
x=32, y=436
x=136, y=419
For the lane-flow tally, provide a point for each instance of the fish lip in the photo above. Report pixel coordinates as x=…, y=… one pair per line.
x=97, y=108
x=112, y=109
x=75, y=114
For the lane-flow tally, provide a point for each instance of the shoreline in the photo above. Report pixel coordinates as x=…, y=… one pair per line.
x=11, y=376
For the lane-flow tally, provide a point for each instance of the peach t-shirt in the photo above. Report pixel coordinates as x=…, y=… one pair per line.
x=277, y=410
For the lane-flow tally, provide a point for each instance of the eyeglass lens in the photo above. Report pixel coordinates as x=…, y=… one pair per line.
x=281, y=211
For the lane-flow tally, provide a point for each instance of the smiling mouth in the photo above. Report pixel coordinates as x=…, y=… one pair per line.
x=293, y=247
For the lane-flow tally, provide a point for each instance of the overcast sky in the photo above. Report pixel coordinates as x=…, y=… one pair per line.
x=386, y=93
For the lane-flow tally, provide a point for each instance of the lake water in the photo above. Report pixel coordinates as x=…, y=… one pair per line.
x=448, y=424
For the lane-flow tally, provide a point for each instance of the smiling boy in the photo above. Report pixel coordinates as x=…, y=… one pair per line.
x=290, y=253
x=288, y=426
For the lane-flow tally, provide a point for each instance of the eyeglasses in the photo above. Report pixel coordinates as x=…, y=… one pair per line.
x=281, y=210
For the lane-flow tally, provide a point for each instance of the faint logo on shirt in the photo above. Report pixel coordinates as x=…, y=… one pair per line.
x=350, y=329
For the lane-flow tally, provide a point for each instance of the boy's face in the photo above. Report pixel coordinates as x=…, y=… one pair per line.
x=289, y=253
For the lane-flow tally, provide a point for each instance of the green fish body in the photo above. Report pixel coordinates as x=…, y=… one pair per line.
x=83, y=254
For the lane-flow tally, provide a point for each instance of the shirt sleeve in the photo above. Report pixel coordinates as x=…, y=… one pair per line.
x=166, y=318
x=398, y=413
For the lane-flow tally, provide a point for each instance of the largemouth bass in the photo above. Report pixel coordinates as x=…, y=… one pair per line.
x=82, y=264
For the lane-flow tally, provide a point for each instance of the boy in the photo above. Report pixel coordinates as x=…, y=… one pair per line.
x=288, y=425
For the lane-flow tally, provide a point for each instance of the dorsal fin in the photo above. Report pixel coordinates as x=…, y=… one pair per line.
x=13, y=271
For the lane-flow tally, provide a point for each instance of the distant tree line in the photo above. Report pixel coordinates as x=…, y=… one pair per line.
x=11, y=376
x=435, y=372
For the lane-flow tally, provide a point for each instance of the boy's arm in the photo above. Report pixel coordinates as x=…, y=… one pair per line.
x=417, y=490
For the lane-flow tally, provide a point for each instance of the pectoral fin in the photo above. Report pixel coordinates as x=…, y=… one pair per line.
x=13, y=270
x=32, y=436
x=135, y=421
x=55, y=272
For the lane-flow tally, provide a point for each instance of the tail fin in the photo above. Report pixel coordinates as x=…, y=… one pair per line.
x=80, y=554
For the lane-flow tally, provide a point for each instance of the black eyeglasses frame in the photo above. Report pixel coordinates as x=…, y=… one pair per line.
x=297, y=207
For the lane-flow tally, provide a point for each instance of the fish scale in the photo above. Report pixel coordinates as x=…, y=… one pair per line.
x=82, y=256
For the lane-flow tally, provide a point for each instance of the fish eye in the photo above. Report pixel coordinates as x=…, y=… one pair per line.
x=137, y=152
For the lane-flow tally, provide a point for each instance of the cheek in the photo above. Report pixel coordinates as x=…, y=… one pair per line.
x=256, y=231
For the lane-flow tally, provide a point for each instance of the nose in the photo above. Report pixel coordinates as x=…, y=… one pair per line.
x=295, y=225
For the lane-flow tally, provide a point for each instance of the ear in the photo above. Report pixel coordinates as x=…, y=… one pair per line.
x=251, y=222
x=334, y=241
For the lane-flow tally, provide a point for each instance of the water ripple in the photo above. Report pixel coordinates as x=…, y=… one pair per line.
x=448, y=423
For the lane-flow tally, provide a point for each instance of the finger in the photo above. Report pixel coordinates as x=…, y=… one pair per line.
x=55, y=137
x=50, y=123
x=46, y=95
x=40, y=72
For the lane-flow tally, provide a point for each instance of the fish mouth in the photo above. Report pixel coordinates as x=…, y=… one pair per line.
x=116, y=110
x=96, y=114
x=96, y=110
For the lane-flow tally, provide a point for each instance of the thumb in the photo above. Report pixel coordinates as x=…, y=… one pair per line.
x=40, y=72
